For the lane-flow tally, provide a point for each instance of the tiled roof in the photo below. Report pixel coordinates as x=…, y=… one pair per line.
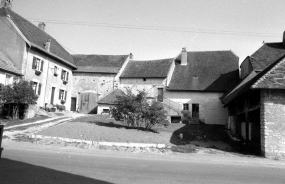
x=36, y=35
x=99, y=63
x=215, y=71
x=111, y=98
x=271, y=77
x=7, y=65
x=147, y=69
x=266, y=55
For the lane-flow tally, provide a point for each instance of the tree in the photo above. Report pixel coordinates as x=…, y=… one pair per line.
x=20, y=93
x=136, y=111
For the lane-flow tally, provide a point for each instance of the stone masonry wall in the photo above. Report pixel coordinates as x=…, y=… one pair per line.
x=272, y=130
x=100, y=83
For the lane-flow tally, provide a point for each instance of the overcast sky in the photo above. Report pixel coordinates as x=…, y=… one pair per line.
x=153, y=29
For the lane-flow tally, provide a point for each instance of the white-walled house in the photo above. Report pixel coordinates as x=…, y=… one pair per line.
x=198, y=81
x=38, y=56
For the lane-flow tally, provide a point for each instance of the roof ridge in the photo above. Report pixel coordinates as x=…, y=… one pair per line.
x=153, y=60
x=211, y=51
x=97, y=55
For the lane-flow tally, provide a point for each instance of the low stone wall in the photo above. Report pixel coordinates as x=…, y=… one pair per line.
x=272, y=123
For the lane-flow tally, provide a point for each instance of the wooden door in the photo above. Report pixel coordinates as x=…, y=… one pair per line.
x=73, y=104
x=52, y=95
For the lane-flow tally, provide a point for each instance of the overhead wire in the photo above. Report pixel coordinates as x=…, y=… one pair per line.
x=157, y=28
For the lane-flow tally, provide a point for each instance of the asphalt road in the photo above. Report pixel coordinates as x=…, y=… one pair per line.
x=59, y=166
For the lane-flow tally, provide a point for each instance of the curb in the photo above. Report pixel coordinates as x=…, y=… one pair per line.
x=119, y=144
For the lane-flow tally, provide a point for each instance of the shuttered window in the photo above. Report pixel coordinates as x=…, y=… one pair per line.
x=38, y=64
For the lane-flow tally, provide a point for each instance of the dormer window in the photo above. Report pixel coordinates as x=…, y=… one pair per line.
x=64, y=76
x=38, y=65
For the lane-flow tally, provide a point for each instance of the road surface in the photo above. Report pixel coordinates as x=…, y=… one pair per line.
x=22, y=165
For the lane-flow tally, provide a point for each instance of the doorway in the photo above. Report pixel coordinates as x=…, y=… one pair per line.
x=73, y=104
x=52, y=95
x=195, y=110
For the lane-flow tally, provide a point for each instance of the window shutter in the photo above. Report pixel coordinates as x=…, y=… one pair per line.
x=59, y=94
x=61, y=73
x=65, y=96
x=67, y=76
x=42, y=65
x=39, y=89
x=34, y=66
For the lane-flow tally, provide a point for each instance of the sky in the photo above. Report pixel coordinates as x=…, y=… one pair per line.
x=157, y=29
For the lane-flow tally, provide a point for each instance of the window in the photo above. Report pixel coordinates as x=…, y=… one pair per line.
x=64, y=75
x=195, y=110
x=62, y=94
x=9, y=79
x=38, y=64
x=186, y=106
x=37, y=87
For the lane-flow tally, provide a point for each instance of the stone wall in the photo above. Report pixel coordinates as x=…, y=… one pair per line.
x=100, y=83
x=272, y=126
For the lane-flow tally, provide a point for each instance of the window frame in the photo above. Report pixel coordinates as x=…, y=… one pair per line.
x=38, y=64
x=37, y=87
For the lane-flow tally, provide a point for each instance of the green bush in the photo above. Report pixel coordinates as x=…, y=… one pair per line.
x=17, y=97
x=135, y=111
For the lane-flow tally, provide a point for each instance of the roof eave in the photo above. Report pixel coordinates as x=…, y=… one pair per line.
x=15, y=73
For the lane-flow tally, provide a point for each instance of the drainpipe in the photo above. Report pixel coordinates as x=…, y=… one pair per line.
x=46, y=82
x=29, y=48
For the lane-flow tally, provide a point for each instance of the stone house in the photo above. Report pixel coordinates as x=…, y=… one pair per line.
x=198, y=80
x=97, y=74
x=38, y=57
x=257, y=104
x=8, y=72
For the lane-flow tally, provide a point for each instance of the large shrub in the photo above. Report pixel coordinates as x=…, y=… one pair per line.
x=135, y=111
x=20, y=94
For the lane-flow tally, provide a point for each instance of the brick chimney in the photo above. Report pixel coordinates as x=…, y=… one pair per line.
x=42, y=26
x=47, y=45
x=184, y=56
x=6, y=4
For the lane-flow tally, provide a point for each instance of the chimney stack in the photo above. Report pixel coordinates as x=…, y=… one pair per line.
x=184, y=56
x=6, y=4
x=42, y=26
x=47, y=45
x=131, y=56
